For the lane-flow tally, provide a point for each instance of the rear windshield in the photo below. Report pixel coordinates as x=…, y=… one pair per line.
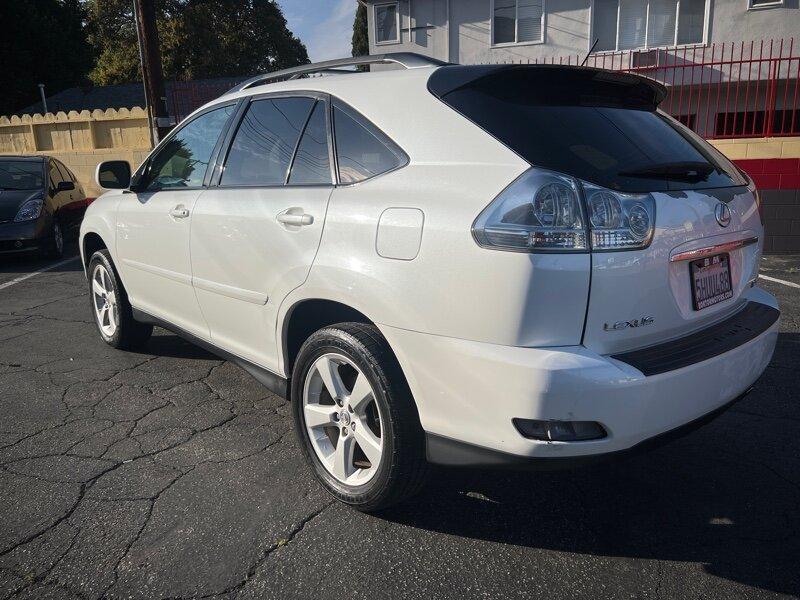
x=597, y=130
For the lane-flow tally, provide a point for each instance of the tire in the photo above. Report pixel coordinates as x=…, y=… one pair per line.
x=116, y=325
x=55, y=243
x=401, y=470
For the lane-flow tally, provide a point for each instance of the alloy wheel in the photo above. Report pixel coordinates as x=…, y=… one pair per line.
x=104, y=300
x=343, y=420
x=58, y=238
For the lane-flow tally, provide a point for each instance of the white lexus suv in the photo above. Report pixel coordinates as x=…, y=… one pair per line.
x=460, y=265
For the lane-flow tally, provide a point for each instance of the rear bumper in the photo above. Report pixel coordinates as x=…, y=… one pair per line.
x=468, y=392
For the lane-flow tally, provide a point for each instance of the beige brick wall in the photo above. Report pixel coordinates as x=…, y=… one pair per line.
x=750, y=148
x=80, y=140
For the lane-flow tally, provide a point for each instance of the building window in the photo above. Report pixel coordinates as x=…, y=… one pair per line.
x=751, y=4
x=517, y=21
x=633, y=24
x=387, y=23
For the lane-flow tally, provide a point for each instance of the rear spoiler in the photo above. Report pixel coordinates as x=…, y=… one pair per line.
x=555, y=84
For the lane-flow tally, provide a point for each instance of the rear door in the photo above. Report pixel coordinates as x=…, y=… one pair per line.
x=256, y=231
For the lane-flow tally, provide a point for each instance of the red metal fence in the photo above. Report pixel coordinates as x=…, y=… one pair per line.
x=725, y=90
x=185, y=96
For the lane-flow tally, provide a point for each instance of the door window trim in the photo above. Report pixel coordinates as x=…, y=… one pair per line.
x=516, y=42
x=646, y=47
x=396, y=39
x=233, y=127
x=144, y=168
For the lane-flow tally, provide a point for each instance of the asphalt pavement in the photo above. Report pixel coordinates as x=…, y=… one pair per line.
x=173, y=474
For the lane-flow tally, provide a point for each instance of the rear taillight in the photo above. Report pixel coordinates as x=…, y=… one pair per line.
x=759, y=203
x=544, y=211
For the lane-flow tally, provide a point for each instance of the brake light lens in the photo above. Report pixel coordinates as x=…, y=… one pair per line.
x=619, y=221
x=544, y=211
x=541, y=210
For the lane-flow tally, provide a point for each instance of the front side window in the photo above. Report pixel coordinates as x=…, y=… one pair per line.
x=55, y=177
x=362, y=150
x=387, y=23
x=262, y=149
x=517, y=21
x=183, y=161
x=632, y=24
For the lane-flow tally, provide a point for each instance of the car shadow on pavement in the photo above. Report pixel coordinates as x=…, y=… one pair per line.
x=21, y=264
x=165, y=344
x=726, y=496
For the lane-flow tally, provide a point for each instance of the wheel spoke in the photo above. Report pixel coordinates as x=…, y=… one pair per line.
x=361, y=394
x=369, y=443
x=112, y=316
x=343, y=458
x=97, y=288
x=319, y=415
x=328, y=370
x=103, y=314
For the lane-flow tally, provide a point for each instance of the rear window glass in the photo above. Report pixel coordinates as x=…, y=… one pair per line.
x=264, y=144
x=593, y=130
x=362, y=150
x=312, y=164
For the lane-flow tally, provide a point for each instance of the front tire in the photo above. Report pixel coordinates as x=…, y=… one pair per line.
x=55, y=245
x=112, y=311
x=355, y=418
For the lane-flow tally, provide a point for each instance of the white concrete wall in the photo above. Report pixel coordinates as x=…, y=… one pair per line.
x=567, y=29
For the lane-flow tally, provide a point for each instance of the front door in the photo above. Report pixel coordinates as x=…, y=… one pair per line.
x=255, y=234
x=153, y=223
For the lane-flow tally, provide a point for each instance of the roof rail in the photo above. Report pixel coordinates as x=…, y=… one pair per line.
x=408, y=60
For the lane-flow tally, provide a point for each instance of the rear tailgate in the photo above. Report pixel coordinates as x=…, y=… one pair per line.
x=644, y=297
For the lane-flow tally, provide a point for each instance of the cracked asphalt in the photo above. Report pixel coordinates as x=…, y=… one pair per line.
x=173, y=474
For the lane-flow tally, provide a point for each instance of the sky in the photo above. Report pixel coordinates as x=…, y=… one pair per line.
x=324, y=26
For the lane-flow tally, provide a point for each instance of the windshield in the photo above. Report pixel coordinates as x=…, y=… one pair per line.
x=591, y=131
x=21, y=175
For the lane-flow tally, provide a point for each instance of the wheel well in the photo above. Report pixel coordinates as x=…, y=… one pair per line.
x=309, y=316
x=91, y=244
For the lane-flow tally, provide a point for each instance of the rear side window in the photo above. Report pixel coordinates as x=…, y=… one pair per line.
x=590, y=125
x=312, y=165
x=262, y=149
x=362, y=150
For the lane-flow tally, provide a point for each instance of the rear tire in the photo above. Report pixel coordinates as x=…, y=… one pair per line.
x=110, y=306
x=365, y=443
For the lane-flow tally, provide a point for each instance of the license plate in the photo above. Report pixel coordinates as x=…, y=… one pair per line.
x=711, y=280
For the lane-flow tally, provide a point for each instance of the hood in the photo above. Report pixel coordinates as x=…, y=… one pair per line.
x=11, y=200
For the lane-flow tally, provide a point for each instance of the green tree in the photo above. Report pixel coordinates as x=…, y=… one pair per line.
x=198, y=38
x=360, y=33
x=43, y=41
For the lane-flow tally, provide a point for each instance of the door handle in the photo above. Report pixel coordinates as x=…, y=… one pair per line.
x=298, y=220
x=179, y=212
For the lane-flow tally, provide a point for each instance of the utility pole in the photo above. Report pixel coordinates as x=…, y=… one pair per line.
x=153, y=77
x=44, y=98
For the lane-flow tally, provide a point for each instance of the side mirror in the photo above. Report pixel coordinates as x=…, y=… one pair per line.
x=65, y=186
x=113, y=174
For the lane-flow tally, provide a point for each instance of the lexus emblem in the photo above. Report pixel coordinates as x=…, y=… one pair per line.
x=723, y=214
